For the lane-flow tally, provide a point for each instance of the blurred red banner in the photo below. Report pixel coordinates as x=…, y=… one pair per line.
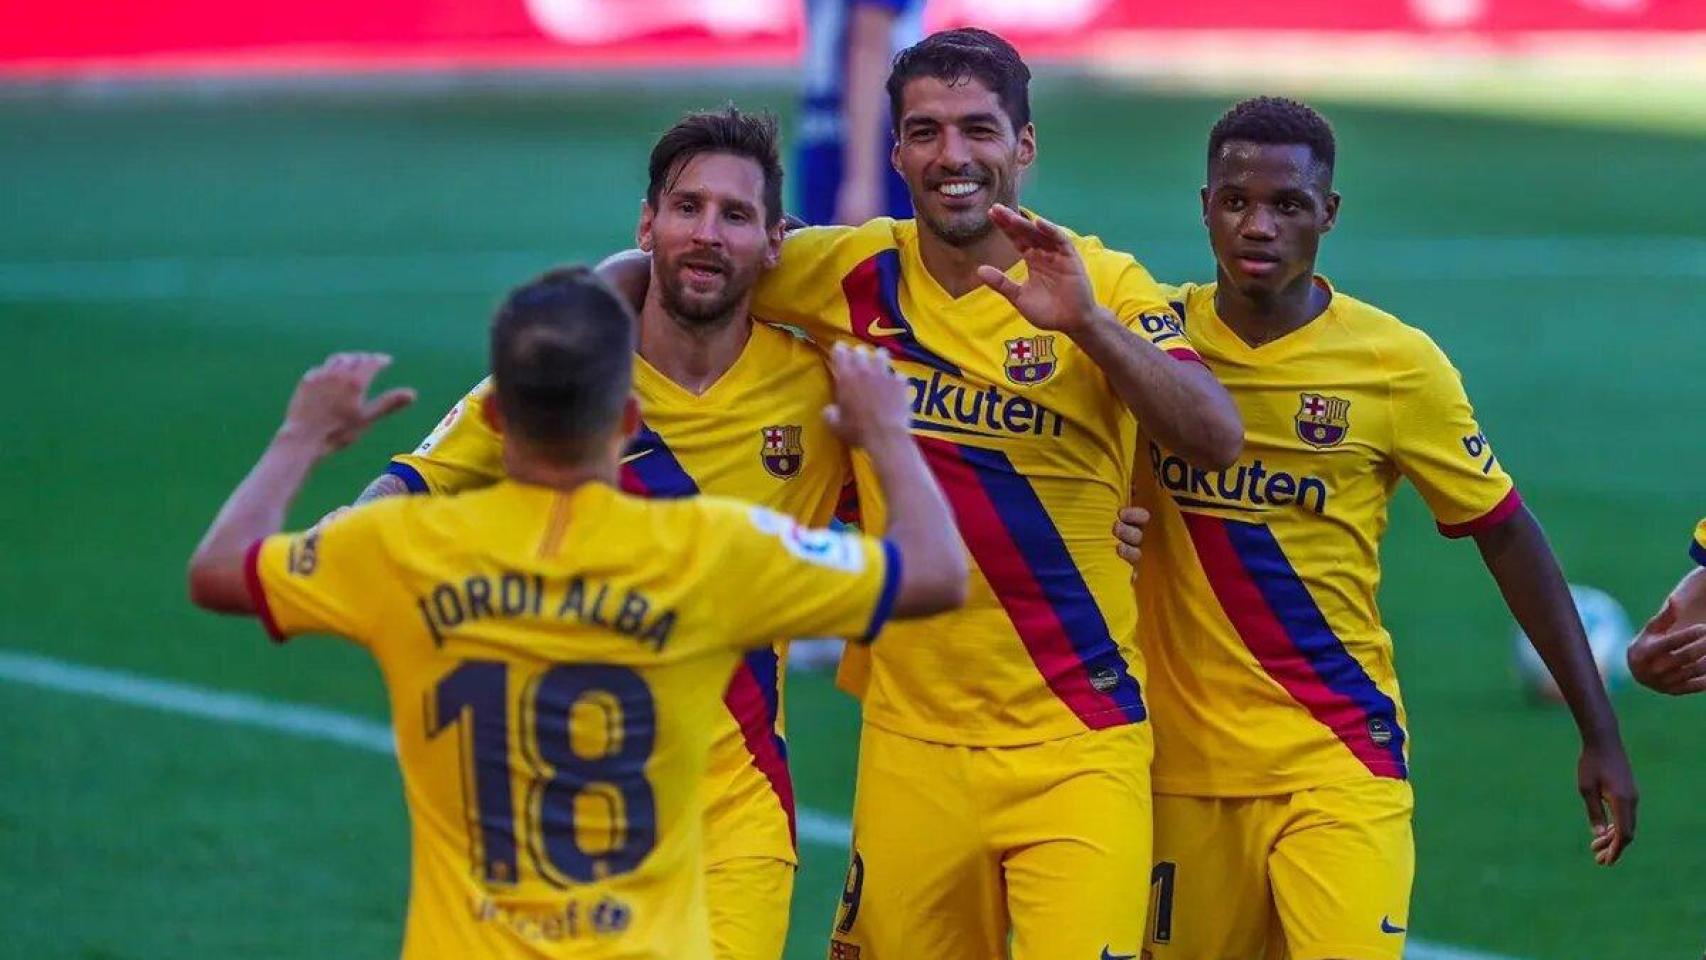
x=38, y=38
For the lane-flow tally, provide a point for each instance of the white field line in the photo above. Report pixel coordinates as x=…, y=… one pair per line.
x=480, y=271
x=331, y=726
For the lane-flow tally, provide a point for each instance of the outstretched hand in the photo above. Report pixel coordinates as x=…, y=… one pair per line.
x=871, y=399
x=1667, y=657
x=1056, y=294
x=330, y=407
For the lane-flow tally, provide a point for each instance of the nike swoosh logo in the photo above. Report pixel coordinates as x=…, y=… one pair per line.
x=1106, y=955
x=630, y=458
x=1387, y=927
x=876, y=329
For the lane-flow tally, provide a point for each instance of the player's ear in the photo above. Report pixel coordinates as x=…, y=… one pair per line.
x=643, y=233
x=773, y=242
x=1331, y=207
x=1027, y=146
x=894, y=158
x=1204, y=194
x=492, y=412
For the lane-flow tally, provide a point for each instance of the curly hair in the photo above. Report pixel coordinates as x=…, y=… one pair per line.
x=1275, y=120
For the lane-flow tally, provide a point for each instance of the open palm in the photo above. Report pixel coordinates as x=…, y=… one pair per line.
x=1056, y=294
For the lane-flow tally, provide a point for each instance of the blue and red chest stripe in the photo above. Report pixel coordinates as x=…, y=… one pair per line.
x=1018, y=549
x=1271, y=608
x=651, y=469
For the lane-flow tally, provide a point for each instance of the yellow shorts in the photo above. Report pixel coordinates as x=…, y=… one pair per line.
x=956, y=849
x=1320, y=874
x=748, y=899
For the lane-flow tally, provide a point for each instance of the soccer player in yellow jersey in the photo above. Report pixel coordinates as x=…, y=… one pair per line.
x=1003, y=784
x=728, y=407
x=555, y=650
x=1669, y=654
x=1282, y=787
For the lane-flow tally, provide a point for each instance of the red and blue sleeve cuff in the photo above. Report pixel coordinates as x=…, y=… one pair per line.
x=891, y=587
x=1697, y=550
x=258, y=592
x=1501, y=512
x=409, y=475
x=1186, y=354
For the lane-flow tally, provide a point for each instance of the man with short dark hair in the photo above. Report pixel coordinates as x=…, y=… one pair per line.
x=728, y=407
x=1003, y=790
x=1283, y=801
x=556, y=651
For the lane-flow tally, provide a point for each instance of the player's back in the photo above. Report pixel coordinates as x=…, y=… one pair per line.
x=554, y=663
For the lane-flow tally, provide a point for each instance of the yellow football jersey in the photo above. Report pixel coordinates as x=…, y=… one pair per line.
x=757, y=434
x=1035, y=452
x=1697, y=549
x=1270, y=670
x=555, y=664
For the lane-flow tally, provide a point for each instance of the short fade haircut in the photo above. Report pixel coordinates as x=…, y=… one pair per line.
x=1275, y=120
x=561, y=361
x=748, y=135
x=954, y=56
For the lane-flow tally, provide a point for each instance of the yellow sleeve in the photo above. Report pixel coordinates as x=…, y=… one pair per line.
x=462, y=453
x=801, y=582
x=1442, y=450
x=1142, y=304
x=332, y=578
x=804, y=288
x=1697, y=549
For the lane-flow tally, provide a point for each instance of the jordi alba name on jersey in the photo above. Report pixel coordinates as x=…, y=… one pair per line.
x=1035, y=453
x=555, y=662
x=757, y=434
x=1270, y=670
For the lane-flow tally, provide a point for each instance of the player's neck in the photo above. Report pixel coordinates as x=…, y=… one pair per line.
x=1259, y=320
x=692, y=355
x=522, y=467
x=954, y=268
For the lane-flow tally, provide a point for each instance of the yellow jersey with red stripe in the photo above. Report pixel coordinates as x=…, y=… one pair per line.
x=554, y=662
x=758, y=434
x=1035, y=452
x=1270, y=669
x=1697, y=549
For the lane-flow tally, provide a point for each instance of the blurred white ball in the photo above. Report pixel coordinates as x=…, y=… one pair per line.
x=1608, y=630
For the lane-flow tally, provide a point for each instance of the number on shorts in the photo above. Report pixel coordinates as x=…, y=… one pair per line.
x=1163, y=877
x=850, y=892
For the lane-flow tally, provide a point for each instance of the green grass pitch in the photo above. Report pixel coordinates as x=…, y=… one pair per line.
x=168, y=267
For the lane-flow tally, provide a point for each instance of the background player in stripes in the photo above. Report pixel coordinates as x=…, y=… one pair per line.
x=1003, y=768
x=1281, y=769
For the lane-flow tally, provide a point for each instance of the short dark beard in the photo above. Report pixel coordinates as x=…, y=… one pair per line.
x=962, y=238
x=699, y=315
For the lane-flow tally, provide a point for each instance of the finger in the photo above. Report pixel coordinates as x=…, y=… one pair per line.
x=1693, y=685
x=1623, y=818
x=1687, y=643
x=998, y=281
x=1128, y=553
x=1051, y=235
x=1136, y=516
x=1596, y=808
x=1662, y=620
x=832, y=417
x=1018, y=229
x=387, y=403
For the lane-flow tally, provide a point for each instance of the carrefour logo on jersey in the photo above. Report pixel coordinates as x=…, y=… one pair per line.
x=944, y=403
x=1242, y=486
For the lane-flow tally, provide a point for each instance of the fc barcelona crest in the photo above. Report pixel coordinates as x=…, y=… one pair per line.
x=1322, y=421
x=1030, y=360
x=783, y=451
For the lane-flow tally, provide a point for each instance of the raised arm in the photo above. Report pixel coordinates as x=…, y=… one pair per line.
x=328, y=411
x=1180, y=404
x=1521, y=561
x=872, y=411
